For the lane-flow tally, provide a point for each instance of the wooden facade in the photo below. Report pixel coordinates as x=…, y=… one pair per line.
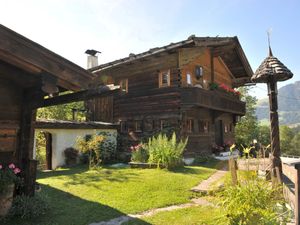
x=171, y=86
x=28, y=73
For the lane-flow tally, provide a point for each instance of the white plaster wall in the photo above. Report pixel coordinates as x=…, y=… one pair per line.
x=64, y=138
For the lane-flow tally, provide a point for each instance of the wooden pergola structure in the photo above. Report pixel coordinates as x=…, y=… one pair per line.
x=28, y=73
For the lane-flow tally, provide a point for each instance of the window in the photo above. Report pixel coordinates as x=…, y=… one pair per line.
x=164, y=78
x=203, y=126
x=124, y=85
x=164, y=124
x=226, y=128
x=148, y=125
x=189, y=79
x=124, y=126
x=190, y=125
x=138, y=126
x=198, y=72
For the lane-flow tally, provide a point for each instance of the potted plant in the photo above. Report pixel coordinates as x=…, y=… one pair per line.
x=8, y=179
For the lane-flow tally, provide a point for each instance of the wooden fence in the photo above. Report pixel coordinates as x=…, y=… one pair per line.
x=290, y=178
x=291, y=186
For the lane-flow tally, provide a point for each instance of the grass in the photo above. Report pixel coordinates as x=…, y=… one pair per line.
x=78, y=196
x=200, y=215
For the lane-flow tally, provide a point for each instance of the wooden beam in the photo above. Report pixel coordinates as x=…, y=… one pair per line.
x=77, y=96
x=18, y=76
x=212, y=67
x=37, y=58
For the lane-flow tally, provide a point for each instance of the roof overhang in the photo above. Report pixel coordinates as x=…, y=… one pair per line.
x=30, y=58
x=228, y=48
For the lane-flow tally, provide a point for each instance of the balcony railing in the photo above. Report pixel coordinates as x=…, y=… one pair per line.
x=212, y=99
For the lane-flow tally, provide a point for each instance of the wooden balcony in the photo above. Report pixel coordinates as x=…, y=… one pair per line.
x=212, y=99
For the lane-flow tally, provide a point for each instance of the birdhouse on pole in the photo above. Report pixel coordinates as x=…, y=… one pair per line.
x=270, y=72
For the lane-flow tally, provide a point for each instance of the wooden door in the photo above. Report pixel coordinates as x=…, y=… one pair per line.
x=219, y=135
x=48, y=137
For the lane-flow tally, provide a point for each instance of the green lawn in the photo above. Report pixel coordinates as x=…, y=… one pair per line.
x=78, y=196
x=188, y=216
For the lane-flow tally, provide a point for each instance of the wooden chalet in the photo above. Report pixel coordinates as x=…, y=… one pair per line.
x=174, y=86
x=28, y=74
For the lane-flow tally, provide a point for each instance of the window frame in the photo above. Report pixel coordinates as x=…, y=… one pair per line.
x=160, y=79
x=189, y=78
x=138, y=128
x=190, y=126
x=124, y=81
x=201, y=126
x=123, y=127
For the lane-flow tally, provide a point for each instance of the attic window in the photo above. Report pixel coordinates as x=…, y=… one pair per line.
x=164, y=78
x=199, y=72
x=124, y=85
x=189, y=79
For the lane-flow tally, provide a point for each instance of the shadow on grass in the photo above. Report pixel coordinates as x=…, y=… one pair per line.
x=63, y=172
x=67, y=209
x=82, y=175
x=194, y=169
x=101, y=174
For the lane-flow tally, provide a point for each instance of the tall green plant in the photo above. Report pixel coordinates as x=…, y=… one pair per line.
x=253, y=202
x=165, y=151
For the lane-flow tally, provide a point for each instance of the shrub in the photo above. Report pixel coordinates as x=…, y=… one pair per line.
x=139, y=153
x=91, y=145
x=252, y=202
x=165, y=151
x=29, y=207
x=108, y=146
x=71, y=155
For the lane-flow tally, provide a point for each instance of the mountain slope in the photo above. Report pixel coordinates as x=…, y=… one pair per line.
x=288, y=105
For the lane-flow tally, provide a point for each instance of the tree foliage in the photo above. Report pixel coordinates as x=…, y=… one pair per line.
x=264, y=135
x=61, y=112
x=247, y=128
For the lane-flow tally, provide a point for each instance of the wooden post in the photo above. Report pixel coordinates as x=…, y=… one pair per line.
x=275, y=141
x=297, y=194
x=212, y=69
x=232, y=168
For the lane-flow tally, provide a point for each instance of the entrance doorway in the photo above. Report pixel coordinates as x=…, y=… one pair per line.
x=44, y=150
x=219, y=135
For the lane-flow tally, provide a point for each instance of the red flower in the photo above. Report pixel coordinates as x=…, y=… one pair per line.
x=1, y=166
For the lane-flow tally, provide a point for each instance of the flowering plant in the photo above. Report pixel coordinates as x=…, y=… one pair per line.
x=8, y=175
x=216, y=149
x=224, y=87
x=139, y=153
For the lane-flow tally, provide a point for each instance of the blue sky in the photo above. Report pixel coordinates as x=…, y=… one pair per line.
x=120, y=27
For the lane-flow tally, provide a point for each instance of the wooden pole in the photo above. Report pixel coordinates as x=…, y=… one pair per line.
x=297, y=194
x=232, y=167
x=275, y=141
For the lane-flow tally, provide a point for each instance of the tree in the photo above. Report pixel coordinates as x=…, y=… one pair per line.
x=264, y=135
x=286, y=137
x=295, y=145
x=247, y=128
x=61, y=112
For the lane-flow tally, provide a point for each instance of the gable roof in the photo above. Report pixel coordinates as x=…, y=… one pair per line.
x=37, y=61
x=228, y=48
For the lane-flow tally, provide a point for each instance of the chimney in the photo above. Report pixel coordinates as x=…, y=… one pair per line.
x=92, y=59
